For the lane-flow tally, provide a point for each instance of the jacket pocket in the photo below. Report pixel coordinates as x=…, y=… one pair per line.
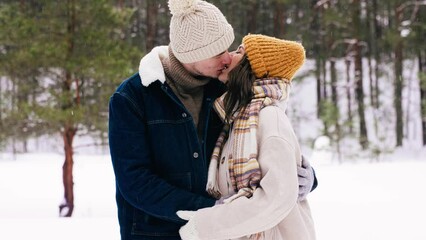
x=146, y=225
x=180, y=180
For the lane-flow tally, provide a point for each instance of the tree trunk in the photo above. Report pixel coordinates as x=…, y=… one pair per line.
x=1, y=101
x=371, y=82
x=334, y=99
x=316, y=51
x=324, y=77
x=67, y=207
x=359, y=94
x=120, y=3
x=279, y=19
x=252, y=17
x=319, y=84
x=359, y=89
x=324, y=93
x=349, y=95
x=151, y=24
x=398, y=83
x=371, y=49
x=375, y=50
x=422, y=79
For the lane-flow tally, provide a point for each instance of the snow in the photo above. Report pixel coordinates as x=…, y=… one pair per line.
x=31, y=191
x=370, y=201
x=355, y=200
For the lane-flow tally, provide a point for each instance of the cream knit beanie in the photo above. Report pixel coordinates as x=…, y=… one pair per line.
x=198, y=30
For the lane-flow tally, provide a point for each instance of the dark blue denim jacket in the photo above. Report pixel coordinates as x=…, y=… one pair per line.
x=160, y=163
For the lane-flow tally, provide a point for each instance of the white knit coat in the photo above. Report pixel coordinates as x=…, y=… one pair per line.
x=273, y=210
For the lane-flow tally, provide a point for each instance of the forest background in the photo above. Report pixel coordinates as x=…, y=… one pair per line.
x=61, y=60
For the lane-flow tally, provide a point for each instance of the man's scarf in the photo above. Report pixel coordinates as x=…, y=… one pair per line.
x=244, y=168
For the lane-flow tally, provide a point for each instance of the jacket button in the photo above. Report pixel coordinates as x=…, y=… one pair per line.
x=195, y=155
x=184, y=115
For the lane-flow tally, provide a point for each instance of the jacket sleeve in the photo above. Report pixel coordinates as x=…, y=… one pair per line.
x=132, y=163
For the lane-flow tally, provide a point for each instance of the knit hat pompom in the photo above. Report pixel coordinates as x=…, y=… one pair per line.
x=273, y=57
x=198, y=30
x=182, y=7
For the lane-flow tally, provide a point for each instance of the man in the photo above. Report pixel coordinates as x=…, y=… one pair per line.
x=162, y=128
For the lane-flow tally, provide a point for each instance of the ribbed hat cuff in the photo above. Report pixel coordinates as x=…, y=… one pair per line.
x=255, y=55
x=213, y=49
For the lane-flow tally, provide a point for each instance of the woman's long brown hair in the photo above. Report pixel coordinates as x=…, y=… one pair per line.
x=240, y=84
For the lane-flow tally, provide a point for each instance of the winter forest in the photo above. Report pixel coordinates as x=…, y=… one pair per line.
x=362, y=88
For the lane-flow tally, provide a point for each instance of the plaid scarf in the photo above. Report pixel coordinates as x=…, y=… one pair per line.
x=244, y=168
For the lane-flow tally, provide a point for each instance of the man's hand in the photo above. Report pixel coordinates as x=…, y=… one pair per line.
x=188, y=231
x=306, y=178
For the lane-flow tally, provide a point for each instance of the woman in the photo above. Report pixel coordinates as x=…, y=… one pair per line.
x=259, y=191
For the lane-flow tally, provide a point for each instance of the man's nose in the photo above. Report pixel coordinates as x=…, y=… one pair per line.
x=226, y=58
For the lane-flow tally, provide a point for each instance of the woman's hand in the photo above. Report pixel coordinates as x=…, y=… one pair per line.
x=306, y=178
x=212, y=186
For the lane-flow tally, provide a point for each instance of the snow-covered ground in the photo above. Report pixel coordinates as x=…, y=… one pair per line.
x=358, y=200
x=31, y=191
x=372, y=201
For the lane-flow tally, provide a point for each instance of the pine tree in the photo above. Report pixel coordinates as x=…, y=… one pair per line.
x=76, y=57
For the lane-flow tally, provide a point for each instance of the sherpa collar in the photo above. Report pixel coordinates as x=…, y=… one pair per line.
x=150, y=66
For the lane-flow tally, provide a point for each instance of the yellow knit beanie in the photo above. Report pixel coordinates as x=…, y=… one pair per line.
x=273, y=57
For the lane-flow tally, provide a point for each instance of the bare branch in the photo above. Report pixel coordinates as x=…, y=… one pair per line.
x=321, y=3
x=407, y=4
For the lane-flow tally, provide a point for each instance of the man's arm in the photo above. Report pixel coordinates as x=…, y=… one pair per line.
x=307, y=179
x=132, y=163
